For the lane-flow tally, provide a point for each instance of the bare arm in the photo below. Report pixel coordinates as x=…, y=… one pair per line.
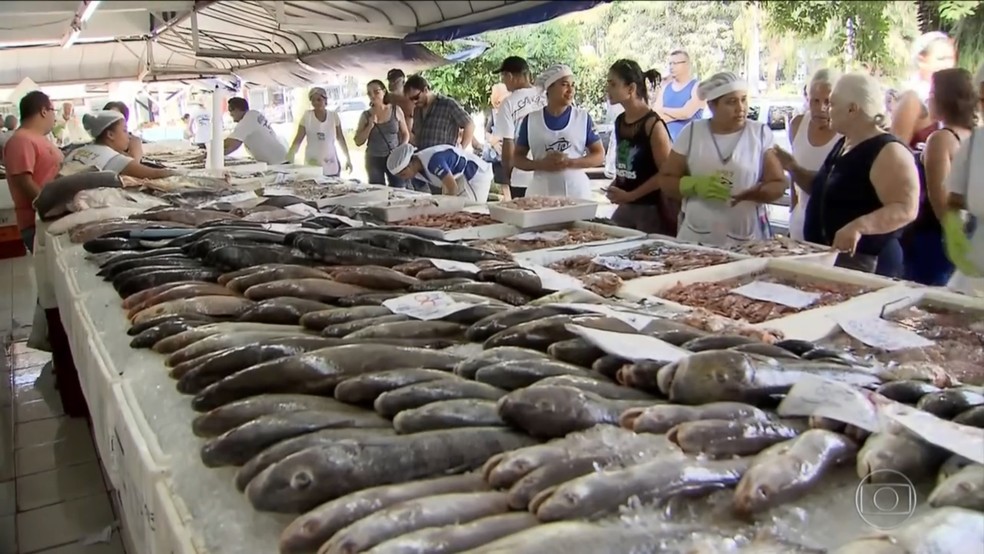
x=467, y=134
x=896, y=183
x=298, y=138
x=138, y=170
x=342, y=142
x=404, y=123
x=450, y=186
x=508, y=159
x=905, y=117
x=25, y=184
x=668, y=178
x=937, y=159
x=363, y=129
x=230, y=145
x=135, y=150
x=594, y=158
x=520, y=155
x=773, y=183
x=687, y=111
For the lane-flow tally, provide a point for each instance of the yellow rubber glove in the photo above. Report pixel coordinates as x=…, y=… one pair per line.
x=958, y=244
x=708, y=187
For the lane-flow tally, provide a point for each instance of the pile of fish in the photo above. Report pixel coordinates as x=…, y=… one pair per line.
x=539, y=240
x=717, y=297
x=778, y=247
x=654, y=259
x=497, y=426
x=449, y=222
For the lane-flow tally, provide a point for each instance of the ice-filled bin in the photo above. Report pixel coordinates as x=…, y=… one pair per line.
x=577, y=210
x=172, y=534
x=567, y=237
x=404, y=208
x=774, y=293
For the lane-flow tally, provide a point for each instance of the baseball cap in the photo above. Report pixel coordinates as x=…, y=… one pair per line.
x=514, y=64
x=395, y=74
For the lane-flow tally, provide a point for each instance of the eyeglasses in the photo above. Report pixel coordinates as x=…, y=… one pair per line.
x=415, y=97
x=678, y=62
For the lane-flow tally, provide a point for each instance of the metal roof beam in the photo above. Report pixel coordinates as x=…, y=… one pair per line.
x=341, y=27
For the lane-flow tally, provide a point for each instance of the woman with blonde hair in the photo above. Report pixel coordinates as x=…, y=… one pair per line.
x=812, y=139
x=867, y=190
x=724, y=168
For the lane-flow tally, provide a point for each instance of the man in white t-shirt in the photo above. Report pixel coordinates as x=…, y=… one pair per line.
x=201, y=126
x=254, y=131
x=523, y=99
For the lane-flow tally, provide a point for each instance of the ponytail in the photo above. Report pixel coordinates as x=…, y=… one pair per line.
x=654, y=77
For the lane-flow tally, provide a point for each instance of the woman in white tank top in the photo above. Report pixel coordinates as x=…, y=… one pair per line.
x=811, y=138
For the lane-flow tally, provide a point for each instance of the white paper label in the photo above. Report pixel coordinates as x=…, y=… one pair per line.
x=814, y=396
x=780, y=294
x=630, y=346
x=876, y=332
x=619, y=264
x=542, y=235
x=302, y=209
x=960, y=439
x=426, y=305
x=232, y=198
x=637, y=321
x=451, y=265
x=553, y=280
x=283, y=227
x=277, y=191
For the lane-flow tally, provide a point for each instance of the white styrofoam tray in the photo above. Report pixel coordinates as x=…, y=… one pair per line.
x=526, y=219
x=792, y=326
x=404, y=208
x=547, y=257
x=369, y=195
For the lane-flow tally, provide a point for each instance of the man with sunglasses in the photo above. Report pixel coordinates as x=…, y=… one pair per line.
x=437, y=119
x=677, y=103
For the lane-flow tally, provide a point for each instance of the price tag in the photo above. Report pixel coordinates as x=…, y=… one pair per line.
x=552, y=280
x=876, y=332
x=619, y=264
x=960, y=439
x=637, y=321
x=542, y=235
x=630, y=346
x=232, y=198
x=814, y=396
x=282, y=227
x=780, y=294
x=277, y=191
x=426, y=305
x=302, y=209
x=451, y=265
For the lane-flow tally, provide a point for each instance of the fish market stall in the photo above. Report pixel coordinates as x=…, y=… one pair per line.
x=266, y=378
x=784, y=247
x=561, y=236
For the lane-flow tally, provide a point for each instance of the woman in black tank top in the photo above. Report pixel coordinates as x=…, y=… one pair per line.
x=642, y=143
x=953, y=102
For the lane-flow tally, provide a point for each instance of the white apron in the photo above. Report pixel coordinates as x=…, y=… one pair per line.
x=319, y=144
x=718, y=223
x=570, y=140
x=810, y=158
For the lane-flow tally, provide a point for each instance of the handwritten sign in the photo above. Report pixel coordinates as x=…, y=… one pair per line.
x=426, y=305
x=542, y=235
x=277, y=191
x=620, y=264
x=876, y=332
x=630, y=346
x=637, y=321
x=451, y=265
x=960, y=439
x=814, y=396
x=780, y=294
x=552, y=280
x=302, y=209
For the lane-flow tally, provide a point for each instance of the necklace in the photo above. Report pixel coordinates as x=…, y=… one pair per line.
x=725, y=159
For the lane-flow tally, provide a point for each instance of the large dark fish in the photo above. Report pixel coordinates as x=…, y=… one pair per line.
x=517, y=374
x=170, y=260
x=458, y=537
x=186, y=216
x=660, y=419
x=949, y=403
x=273, y=272
x=900, y=452
x=596, y=385
x=411, y=330
x=422, y=248
x=720, y=438
x=233, y=257
x=609, y=365
x=390, y=403
x=907, y=391
x=973, y=417
x=134, y=300
x=485, y=328
x=491, y=290
x=725, y=375
x=373, y=277
x=322, y=290
x=364, y=389
x=716, y=342
x=172, y=326
x=578, y=351
x=179, y=292
x=218, y=306
x=135, y=330
x=234, y=414
x=343, y=252
x=284, y=310
x=111, y=244
x=317, y=321
x=309, y=531
x=468, y=368
x=155, y=253
x=350, y=327
x=163, y=276
x=448, y=414
x=303, y=480
x=367, y=299
x=964, y=489
x=237, y=446
x=317, y=372
x=552, y=412
x=538, y=334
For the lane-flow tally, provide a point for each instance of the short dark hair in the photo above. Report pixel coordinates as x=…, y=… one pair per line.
x=416, y=82
x=239, y=104
x=680, y=53
x=955, y=96
x=395, y=74
x=33, y=104
x=120, y=107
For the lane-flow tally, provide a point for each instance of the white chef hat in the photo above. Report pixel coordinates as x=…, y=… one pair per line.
x=922, y=44
x=720, y=84
x=98, y=121
x=399, y=158
x=553, y=74
x=317, y=91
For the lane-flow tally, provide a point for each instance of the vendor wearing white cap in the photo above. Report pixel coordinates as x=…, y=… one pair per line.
x=966, y=184
x=558, y=143
x=320, y=128
x=455, y=171
x=106, y=151
x=724, y=168
x=254, y=131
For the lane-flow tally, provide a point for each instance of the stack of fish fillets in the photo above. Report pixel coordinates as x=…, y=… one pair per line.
x=382, y=437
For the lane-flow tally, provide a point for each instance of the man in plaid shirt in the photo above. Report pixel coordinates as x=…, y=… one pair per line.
x=437, y=119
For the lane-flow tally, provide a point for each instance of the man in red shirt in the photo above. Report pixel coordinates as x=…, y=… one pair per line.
x=31, y=159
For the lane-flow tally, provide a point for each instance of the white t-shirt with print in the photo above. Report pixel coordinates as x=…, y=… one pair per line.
x=506, y=120
x=98, y=156
x=201, y=127
x=260, y=140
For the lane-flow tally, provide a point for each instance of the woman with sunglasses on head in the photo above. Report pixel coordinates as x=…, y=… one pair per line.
x=724, y=168
x=642, y=144
x=320, y=129
x=558, y=143
x=382, y=128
